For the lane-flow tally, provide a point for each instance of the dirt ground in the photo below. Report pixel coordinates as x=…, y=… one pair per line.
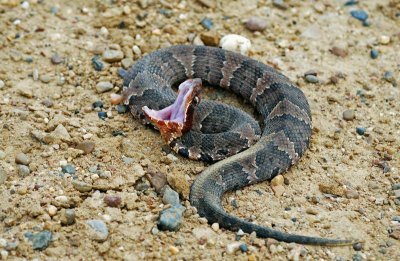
x=346, y=186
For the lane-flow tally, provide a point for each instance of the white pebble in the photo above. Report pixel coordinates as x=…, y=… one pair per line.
x=1, y=84
x=384, y=39
x=215, y=227
x=104, y=31
x=4, y=254
x=233, y=247
x=235, y=43
x=25, y=5
x=63, y=163
x=17, y=22
x=52, y=210
x=87, y=136
x=137, y=50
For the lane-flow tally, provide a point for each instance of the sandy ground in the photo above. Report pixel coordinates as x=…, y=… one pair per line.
x=344, y=187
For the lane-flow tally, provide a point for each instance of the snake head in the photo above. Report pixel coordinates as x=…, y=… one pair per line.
x=176, y=119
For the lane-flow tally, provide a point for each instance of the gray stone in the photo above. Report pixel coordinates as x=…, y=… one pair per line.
x=98, y=230
x=348, y=115
x=41, y=240
x=22, y=159
x=81, y=186
x=112, y=56
x=256, y=24
x=1, y=84
x=104, y=87
x=280, y=4
x=170, y=196
x=45, y=78
x=171, y=218
x=67, y=216
x=311, y=78
x=23, y=170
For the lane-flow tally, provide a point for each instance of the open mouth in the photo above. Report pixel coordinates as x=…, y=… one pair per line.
x=176, y=119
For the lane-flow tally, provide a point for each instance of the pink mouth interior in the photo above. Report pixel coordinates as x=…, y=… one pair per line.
x=177, y=111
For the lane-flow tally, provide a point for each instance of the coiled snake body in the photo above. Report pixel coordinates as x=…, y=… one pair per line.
x=284, y=110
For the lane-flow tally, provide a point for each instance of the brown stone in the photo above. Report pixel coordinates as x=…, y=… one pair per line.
x=209, y=38
x=86, y=146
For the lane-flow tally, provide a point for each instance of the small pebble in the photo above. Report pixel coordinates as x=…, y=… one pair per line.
x=338, y=51
x=359, y=15
x=104, y=87
x=360, y=130
x=98, y=230
x=215, y=227
x=171, y=218
x=173, y=250
x=311, y=78
x=389, y=77
x=351, y=2
x=1, y=84
x=97, y=64
x=233, y=247
x=56, y=59
x=122, y=72
x=210, y=38
x=52, y=210
x=157, y=179
x=170, y=196
x=396, y=186
x=127, y=62
x=280, y=4
x=25, y=5
x=208, y=3
x=97, y=104
x=81, y=186
x=102, y=115
x=243, y=248
x=348, y=115
x=278, y=180
x=116, y=99
x=67, y=217
x=122, y=109
x=384, y=39
x=29, y=59
x=112, y=200
x=40, y=240
x=70, y=169
x=374, y=53
x=357, y=246
x=111, y=56
x=23, y=170
x=87, y=147
x=22, y=158
x=207, y=23
x=256, y=24
x=45, y=78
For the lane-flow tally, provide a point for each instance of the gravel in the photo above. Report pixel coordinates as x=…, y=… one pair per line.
x=98, y=230
x=104, y=87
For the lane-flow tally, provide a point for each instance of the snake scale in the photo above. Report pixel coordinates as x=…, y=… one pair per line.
x=284, y=137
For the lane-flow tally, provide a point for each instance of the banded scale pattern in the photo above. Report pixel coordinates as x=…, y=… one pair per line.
x=222, y=133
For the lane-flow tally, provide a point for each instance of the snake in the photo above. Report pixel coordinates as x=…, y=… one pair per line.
x=242, y=150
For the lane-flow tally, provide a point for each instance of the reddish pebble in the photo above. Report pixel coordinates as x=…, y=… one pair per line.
x=115, y=98
x=112, y=200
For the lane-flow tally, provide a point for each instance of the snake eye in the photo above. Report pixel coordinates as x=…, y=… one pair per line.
x=196, y=100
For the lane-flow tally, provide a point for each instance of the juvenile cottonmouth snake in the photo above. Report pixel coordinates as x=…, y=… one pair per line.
x=212, y=131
